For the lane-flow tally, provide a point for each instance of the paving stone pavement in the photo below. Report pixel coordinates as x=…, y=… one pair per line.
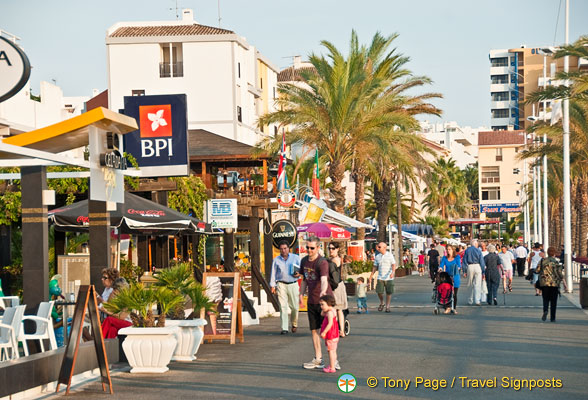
x=508, y=342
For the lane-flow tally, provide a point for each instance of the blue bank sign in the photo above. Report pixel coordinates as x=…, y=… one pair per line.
x=160, y=145
x=500, y=208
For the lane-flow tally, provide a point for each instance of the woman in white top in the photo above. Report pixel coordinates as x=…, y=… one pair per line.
x=535, y=257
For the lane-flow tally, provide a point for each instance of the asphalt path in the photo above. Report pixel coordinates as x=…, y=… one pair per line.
x=505, y=345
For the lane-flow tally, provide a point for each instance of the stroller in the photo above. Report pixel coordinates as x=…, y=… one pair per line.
x=443, y=293
x=346, y=323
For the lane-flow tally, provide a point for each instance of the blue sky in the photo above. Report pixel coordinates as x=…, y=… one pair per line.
x=446, y=40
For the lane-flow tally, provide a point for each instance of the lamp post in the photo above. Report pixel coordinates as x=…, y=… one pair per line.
x=566, y=168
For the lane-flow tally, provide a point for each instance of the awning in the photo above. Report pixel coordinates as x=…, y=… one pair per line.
x=136, y=216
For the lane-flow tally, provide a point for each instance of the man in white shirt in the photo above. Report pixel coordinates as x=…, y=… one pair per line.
x=385, y=264
x=522, y=254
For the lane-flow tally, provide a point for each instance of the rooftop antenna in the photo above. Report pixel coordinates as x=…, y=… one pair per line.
x=177, y=13
x=219, y=14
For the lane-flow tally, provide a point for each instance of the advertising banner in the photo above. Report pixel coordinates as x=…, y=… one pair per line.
x=222, y=213
x=160, y=145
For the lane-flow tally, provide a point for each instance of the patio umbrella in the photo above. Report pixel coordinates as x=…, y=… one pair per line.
x=136, y=215
x=325, y=231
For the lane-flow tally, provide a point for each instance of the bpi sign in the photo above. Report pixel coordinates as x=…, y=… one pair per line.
x=160, y=146
x=15, y=69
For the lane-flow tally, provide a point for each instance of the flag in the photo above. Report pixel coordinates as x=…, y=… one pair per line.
x=316, y=190
x=556, y=112
x=282, y=178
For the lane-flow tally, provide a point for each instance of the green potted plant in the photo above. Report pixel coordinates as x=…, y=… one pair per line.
x=186, y=320
x=149, y=345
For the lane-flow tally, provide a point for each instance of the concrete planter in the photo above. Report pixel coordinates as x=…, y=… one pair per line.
x=350, y=288
x=149, y=350
x=189, y=335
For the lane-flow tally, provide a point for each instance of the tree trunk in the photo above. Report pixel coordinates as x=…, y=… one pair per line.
x=399, y=224
x=382, y=199
x=583, y=217
x=359, y=178
x=574, y=216
x=336, y=172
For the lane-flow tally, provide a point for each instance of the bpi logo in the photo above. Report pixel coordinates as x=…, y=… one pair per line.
x=155, y=123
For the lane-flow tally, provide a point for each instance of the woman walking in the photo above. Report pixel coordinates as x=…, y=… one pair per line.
x=339, y=293
x=451, y=263
x=492, y=273
x=550, y=276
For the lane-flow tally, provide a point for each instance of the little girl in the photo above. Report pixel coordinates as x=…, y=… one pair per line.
x=422, y=263
x=330, y=330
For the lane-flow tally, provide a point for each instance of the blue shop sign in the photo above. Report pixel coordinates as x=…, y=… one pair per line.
x=500, y=208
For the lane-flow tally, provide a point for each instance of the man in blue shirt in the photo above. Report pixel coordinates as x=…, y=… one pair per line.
x=285, y=273
x=474, y=266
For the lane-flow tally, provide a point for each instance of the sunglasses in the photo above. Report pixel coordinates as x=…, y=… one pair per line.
x=310, y=248
x=104, y=277
x=331, y=248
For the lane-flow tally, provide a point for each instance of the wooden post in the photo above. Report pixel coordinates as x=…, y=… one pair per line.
x=265, y=176
x=99, y=241
x=5, y=238
x=162, y=246
x=268, y=252
x=254, y=248
x=205, y=176
x=142, y=252
x=228, y=246
x=35, y=236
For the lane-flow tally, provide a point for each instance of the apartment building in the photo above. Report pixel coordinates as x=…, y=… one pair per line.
x=227, y=81
x=501, y=174
x=516, y=73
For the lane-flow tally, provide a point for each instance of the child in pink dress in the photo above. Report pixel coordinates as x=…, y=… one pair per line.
x=330, y=330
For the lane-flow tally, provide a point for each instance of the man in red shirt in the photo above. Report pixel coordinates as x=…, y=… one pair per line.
x=315, y=277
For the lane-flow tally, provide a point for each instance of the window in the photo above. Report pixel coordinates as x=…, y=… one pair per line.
x=498, y=154
x=499, y=128
x=239, y=70
x=500, y=96
x=239, y=115
x=138, y=92
x=499, y=79
x=261, y=83
x=491, y=193
x=490, y=174
x=171, y=60
x=499, y=62
x=500, y=113
x=275, y=130
x=516, y=171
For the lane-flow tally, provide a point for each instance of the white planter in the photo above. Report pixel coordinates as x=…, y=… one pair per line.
x=149, y=350
x=189, y=336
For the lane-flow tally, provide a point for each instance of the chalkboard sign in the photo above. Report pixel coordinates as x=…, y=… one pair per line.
x=86, y=302
x=223, y=289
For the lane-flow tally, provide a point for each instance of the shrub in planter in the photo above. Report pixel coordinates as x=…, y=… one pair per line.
x=350, y=287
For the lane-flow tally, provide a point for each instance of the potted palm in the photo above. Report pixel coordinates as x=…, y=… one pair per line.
x=188, y=326
x=149, y=345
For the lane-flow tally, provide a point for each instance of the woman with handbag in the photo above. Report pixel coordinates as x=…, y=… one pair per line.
x=550, y=276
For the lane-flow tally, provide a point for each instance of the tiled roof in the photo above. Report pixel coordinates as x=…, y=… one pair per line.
x=494, y=138
x=292, y=74
x=174, y=30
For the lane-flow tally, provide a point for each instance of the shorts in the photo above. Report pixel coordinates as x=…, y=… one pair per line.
x=315, y=318
x=331, y=344
x=508, y=273
x=388, y=286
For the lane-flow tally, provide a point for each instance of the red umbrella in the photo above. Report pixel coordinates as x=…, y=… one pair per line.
x=325, y=231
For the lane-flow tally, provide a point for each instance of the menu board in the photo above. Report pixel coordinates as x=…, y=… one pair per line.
x=222, y=288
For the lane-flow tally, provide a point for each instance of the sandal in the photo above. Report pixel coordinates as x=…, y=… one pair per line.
x=380, y=307
x=388, y=310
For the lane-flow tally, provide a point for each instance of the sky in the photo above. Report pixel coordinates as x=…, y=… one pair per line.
x=448, y=41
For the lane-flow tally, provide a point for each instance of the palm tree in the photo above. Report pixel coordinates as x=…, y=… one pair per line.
x=446, y=189
x=439, y=225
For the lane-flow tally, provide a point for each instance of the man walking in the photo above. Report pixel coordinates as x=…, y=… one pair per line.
x=315, y=275
x=284, y=280
x=433, y=259
x=385, y=264
x=522, y=254
x=474, y=266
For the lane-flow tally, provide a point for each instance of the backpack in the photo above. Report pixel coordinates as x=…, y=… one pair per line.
x=334, y=275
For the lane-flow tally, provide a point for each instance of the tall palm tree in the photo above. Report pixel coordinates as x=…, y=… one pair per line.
x=446, y=189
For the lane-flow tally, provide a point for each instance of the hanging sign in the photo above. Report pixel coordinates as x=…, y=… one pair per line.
x=160, y=145
x=286, y=198
x=284, y=230
x=15, y=69
x=222, y=213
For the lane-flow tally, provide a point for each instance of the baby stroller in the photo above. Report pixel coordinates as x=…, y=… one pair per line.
x=346, y=323
x=443, y=293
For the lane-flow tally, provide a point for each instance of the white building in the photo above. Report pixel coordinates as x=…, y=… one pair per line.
x=228, y=83
x=462, y=142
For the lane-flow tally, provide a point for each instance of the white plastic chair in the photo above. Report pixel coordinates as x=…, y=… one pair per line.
x=9, y=301
x=9, y=331
x=44, y=328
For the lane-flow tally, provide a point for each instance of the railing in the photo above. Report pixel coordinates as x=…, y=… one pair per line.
x=492, y=179
x=578, y=270
x=166, y=69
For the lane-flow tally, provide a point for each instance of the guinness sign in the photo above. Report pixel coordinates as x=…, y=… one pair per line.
x=284, y=230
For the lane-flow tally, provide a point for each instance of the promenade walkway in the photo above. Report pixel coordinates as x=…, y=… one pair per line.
x=508, y=342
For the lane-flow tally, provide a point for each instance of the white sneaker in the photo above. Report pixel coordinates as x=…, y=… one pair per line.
x=337, y=366
x=314, y=364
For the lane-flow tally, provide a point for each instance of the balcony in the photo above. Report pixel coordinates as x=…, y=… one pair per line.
x=499, y=87
x=166, y=70
x=499, y=70
x=492, y=179
x=502, y=104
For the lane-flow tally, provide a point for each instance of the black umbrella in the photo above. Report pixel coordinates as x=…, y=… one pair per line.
x=137, y=216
